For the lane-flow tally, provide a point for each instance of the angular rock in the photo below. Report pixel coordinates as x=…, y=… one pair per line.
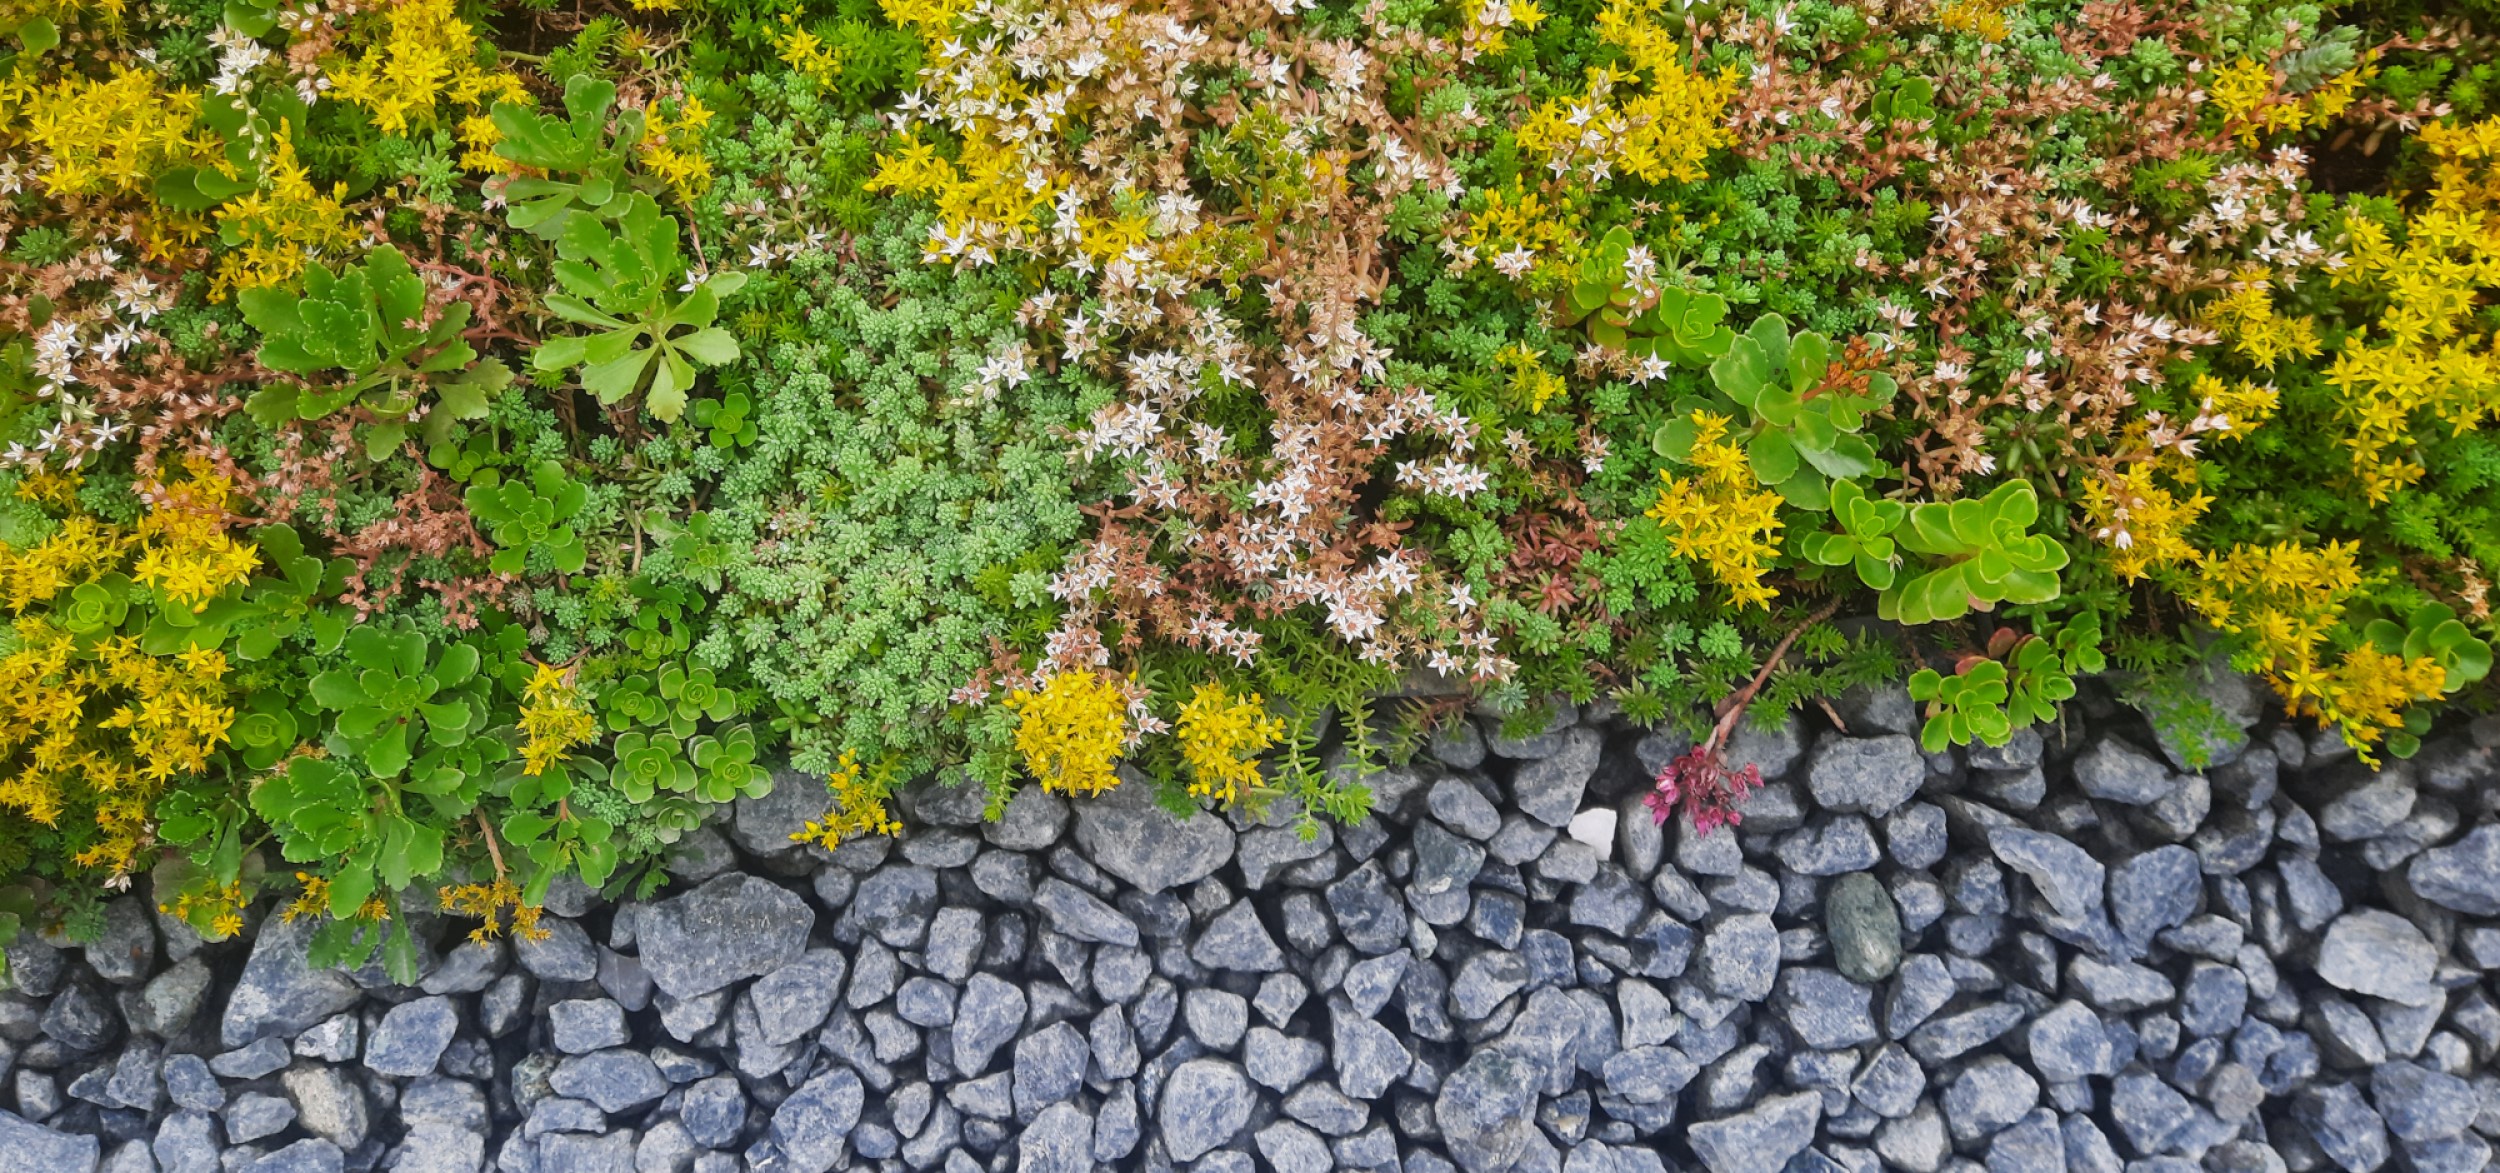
x=1759, y=1141
x=280, y=993
x=813, y=1127
x=1865, y=775
x=2465, y=875
x=1126, y=834
x=2374, y=952
x=411, y=1038
x=732, y=928
x=1548, y=789
x=1204, y=1103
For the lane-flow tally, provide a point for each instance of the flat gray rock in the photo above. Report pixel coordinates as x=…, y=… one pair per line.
x=732, y=928
x=1126, y=834
x=32, y=1148
x=2375, y=952
x=1761, y=1140
x=2464, y=875
x=279, y=993
x=1204, y=1104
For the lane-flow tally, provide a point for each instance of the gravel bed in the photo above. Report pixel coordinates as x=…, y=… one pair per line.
x=2069, y=953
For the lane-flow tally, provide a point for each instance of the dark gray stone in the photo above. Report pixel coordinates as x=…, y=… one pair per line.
x=2421, y=1104
x=1060, y=1140
x=1367, y=1055
x=1126, y=834
x=893, y=905
x=1548, y=789
x=2064, y=873
x=732, y=928
x=1485, y=1111
x=279, y=993
x=1863, y=926
x=1739, y=957
x=1865, y=775
x=1079, y=914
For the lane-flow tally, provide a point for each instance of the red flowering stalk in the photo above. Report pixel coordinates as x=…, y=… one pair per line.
x=1700, y=779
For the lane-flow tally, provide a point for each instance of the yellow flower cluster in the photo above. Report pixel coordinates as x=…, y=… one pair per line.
x=858, y=806
x=1530, y=383
x=2144, y=523
x=1655, y=121
x=2246, y=405
x=2247, y=93
x=487, y=902
x=272, y=232
x=2248, y=316
x=1984, y=19
x=2286, y=600
x=1720, y=517
x=184, y=550
x=111, y=136
x=88, y=719
x=216, y=909
x=1071, y=732
x=672, y=148
x=554, y=719
x=426, y=56
x=1220, y=738
x=1513, y=219
x=2422, y=357
x=171, y=714
x=804, y=51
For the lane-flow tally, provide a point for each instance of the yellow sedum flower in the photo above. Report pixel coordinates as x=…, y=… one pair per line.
x=1655, y=121
x=425, y=58
x=1071, y=732
x=1720, y=517
x=858, y=806
x=2286, y=600
x=274, y=231
x=2144, y=523
x=554, y=719
x=2422, y=362
x=1220, y=737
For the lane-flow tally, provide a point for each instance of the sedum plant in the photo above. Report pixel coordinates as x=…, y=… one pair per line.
x=395, y=351
x=1978, y=553
x=1802, y=412
x=582, y=168
x=620, y=279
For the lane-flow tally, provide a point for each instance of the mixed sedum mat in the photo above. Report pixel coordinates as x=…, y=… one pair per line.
x=447, y=445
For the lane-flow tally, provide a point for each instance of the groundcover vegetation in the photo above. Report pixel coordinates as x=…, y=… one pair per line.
x=450, y=445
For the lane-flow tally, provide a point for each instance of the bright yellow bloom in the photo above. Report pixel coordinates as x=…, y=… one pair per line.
x=2286, y=600
x=858, y=806
x=1220, y=737
x=275, y=230
x=554, y=719
x=2247, y=315
x=1655, y=121
x=2144, y=523
x=115, y=135
x=1070, y=733
x=425, y=57
x=1720, y=517
x=487, y=903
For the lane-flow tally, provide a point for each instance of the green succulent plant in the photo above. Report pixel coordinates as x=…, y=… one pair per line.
x=1679, y=326
x=369, y=321
x=532, y=515
x=1865, y=542
x=1799, y=428
x=327, y=814
x=621, y=281
x=1979, y=553
x=398, y=699
x=730, y=419
x=2433, y=630
x=1962, y=708
x=584, y=169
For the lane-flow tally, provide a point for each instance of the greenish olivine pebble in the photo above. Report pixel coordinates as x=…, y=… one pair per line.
x=1864, y=928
